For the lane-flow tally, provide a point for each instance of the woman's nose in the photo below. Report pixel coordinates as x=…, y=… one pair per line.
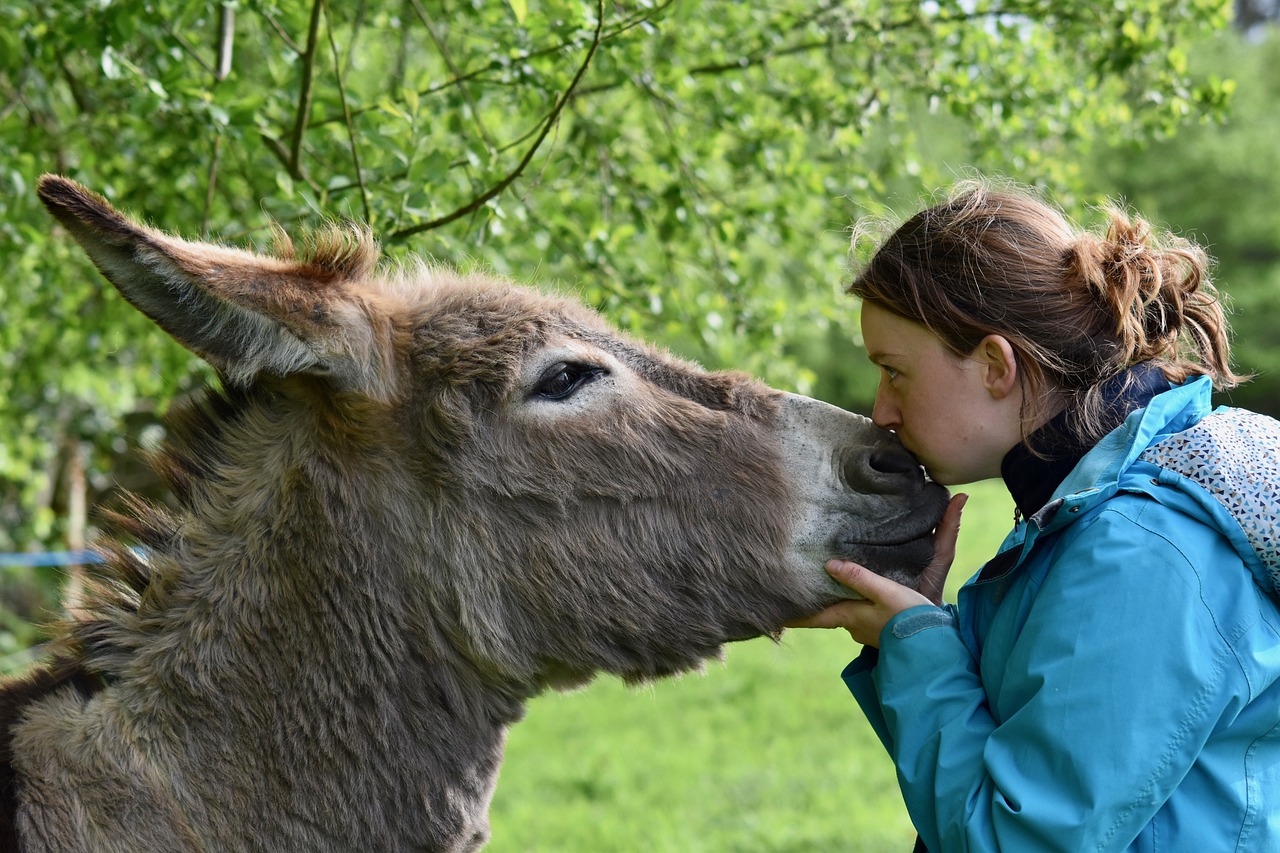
x=884, y=414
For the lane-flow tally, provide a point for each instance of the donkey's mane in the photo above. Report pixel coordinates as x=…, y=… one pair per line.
x=139, y=558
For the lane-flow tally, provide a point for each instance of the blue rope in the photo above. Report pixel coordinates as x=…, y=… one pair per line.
x=49, y=558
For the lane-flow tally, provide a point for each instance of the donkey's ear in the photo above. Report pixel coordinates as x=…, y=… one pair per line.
x=245, y=314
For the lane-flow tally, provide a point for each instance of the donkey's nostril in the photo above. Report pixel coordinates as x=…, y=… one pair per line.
x=892, y=462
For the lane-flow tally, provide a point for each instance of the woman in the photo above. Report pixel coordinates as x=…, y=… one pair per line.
x=1111, y=679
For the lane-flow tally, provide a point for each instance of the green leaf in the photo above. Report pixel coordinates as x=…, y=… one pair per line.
x=697, y=189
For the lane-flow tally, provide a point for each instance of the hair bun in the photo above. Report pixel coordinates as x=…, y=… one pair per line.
x=1142, y=281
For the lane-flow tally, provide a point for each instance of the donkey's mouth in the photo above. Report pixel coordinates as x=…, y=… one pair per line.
x=916, y=523
x=903, y=561
x=901, y=548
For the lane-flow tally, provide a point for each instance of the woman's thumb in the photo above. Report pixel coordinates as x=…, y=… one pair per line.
x=934, y=578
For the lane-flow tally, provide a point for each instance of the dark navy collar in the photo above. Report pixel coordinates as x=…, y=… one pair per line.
x=1032, y=477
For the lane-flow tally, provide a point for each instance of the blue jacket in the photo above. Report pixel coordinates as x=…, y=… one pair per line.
x=1111, y=680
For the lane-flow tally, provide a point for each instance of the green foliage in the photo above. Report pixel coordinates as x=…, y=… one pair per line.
x=688, y=168
x=1217, y=183
x=27, y=599
x=767, y=752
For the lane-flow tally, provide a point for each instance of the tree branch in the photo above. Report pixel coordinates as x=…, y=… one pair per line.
x=346, y=111
x=763, y=56
x=443, y=49
x=73, y=85
x=495, y=190
x=304, y=91
x=214, y=159
x=464, y=77
x=280, y=31
x=226, y=38
x=395, y=81
x=276, y=147
x=188, y=48
x=357, y=24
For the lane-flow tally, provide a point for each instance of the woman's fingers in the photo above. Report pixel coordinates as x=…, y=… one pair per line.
x=882, y=600
x=839, y=615
x=860, y=579
x=934, y=578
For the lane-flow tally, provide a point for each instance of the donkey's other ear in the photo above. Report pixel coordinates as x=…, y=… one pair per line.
x=245, y=314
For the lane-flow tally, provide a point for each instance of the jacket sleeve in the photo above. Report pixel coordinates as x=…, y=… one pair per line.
x=860, y=675
x=1115, y=676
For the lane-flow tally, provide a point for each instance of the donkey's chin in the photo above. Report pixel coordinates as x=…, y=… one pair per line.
x=904, y=562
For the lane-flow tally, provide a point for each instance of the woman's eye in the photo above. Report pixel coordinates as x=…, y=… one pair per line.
x=563, y=380
x=889, y=372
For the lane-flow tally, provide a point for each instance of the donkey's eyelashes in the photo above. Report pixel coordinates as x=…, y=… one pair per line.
x=562, y=380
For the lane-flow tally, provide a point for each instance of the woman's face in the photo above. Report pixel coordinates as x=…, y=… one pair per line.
x=958, y=415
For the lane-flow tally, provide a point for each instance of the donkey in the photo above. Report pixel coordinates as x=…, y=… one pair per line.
x=417, y=499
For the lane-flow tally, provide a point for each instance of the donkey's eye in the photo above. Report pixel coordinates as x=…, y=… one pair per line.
x=562, y=380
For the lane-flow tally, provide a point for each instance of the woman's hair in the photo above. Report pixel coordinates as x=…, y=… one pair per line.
x=1078, y=308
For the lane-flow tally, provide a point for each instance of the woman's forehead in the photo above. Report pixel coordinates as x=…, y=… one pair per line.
x=885, y=333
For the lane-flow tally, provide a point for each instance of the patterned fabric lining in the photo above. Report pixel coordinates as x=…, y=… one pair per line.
x=1235, y=455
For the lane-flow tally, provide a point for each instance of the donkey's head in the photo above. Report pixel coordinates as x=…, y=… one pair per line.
x=528, y=487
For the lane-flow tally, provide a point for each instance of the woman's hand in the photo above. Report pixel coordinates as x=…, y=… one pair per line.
x=882, y=599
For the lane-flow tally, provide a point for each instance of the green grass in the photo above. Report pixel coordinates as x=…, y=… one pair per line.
x=764, y=752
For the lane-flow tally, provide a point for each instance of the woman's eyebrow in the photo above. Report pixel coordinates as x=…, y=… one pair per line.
x=878, y=356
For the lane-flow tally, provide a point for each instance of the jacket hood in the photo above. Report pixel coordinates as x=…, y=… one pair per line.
x=1227, y=461
x=1232, y=457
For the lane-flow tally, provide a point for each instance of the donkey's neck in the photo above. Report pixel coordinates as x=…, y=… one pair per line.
x=314, y=755
x=326, y=729
x=311, y=700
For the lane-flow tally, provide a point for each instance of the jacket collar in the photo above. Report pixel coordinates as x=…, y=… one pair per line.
x=1096, y=476
x=1033, y=477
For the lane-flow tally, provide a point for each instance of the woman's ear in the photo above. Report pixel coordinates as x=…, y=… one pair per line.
x=999, y=366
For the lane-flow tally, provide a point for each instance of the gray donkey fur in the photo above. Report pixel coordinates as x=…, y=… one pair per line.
x=419, y=499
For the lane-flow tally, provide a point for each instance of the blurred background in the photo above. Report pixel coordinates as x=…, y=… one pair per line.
x=691, y=168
